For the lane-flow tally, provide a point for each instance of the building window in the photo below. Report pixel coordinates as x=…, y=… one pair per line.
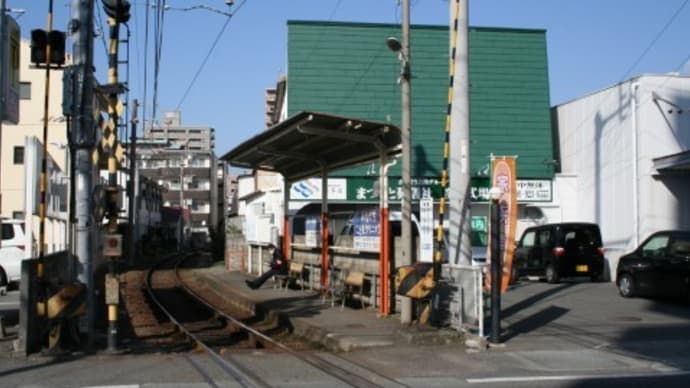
x=25, y=90
x=18, y=215
x=18, y=155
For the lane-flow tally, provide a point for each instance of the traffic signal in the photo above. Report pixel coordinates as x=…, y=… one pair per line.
x=117, y=9
x=57, y=47
x=39, y=41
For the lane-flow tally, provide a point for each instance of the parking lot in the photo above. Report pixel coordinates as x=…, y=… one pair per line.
x=581, y=314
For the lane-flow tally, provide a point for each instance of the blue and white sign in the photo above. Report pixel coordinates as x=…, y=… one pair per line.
x=312, y=231
x=310, y=189
x=366, y=234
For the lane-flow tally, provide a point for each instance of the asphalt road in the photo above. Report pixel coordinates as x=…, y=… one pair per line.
x=574, y=334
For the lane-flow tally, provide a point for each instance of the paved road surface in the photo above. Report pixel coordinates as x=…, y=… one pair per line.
x=574, y=334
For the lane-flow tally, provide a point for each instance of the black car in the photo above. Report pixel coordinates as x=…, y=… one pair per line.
x=659, y=266
x=560, y=250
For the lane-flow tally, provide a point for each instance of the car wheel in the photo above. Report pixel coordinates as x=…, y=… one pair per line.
x=626, y=285
x=551, y=274
x=3, y=282
x=595, y=278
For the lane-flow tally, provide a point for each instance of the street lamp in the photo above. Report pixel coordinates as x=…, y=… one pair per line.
x=494, y=195
x=403, y=48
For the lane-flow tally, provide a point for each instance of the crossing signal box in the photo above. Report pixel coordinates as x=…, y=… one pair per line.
x=40, y=40
x=112, y=245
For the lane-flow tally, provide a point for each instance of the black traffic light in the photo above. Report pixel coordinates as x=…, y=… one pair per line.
x=57, y=47
x=117, y=9
x=39, y=41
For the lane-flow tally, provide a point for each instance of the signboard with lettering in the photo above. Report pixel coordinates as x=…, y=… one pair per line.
x=10, y=89
x=365, y=234
x=312, y=231
x=366, y=189
x=426, y=233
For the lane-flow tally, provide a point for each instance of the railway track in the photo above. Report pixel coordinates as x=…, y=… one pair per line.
x=215, y=332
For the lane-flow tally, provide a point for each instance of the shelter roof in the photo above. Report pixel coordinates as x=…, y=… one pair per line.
x=300, y=146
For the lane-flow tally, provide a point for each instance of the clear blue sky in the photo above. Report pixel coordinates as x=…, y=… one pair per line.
x=592, y=44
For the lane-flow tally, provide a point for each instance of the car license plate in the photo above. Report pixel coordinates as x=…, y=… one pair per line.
x=581, y=268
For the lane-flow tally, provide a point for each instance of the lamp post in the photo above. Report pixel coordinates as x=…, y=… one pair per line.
x=494, y=195
x=403, y=48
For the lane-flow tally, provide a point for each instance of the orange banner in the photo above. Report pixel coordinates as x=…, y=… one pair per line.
x=504, y=177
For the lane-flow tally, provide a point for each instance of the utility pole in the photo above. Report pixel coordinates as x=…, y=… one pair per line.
x=82, y=140
x=406, y=202
x=459, y=206
x=460, y=250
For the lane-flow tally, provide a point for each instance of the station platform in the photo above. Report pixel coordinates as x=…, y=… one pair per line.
x=320, y=320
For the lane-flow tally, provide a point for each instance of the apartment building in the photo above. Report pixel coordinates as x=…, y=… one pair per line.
x=189, y=178
x=21, y=155
x=188, y=136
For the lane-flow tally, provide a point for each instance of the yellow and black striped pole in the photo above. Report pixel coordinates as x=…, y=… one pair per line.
x=112, y=192
x=43, y=183
x=438, y=257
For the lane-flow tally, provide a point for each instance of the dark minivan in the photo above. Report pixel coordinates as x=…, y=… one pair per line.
x=560, y=250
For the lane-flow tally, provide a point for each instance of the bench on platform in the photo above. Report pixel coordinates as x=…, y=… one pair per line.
x=295, y=273
x=353, y=284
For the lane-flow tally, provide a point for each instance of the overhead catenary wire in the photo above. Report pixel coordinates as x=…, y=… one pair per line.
x=146, y=62
x=208, y=55
x=158, y=51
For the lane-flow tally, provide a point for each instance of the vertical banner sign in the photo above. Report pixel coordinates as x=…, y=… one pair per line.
x=426, y=234
x=504, y=177
x=10, y=89
x=312, y=231
x=366, y=230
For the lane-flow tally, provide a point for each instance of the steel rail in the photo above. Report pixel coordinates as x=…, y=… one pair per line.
x=243, y=377
x=328, y=367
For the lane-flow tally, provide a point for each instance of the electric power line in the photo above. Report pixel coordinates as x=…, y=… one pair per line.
x=158, y=51
x=208, y=55
x=656, y=38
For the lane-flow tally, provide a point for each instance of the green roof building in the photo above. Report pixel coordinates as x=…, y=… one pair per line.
x=347, y=69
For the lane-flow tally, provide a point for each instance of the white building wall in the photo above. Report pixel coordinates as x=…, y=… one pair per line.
x=597, y=137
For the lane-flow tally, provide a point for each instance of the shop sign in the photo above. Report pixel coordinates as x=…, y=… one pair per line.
x=310, y=189
x=366, y=189
x=528, y=190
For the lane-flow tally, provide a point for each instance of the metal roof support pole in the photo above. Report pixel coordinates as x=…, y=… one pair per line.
x=286, y=220
x=384, y=251
x=324, y=229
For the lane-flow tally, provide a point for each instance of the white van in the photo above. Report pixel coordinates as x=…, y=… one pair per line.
x=11, y=252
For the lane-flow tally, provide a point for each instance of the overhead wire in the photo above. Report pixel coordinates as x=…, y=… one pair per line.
x=99, y=23
x=208, y=55
x=146, y=61
x=158, y=51
x=656, y=38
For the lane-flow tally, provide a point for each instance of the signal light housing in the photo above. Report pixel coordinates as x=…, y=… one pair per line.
x=117, y=9
x=39, y=42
